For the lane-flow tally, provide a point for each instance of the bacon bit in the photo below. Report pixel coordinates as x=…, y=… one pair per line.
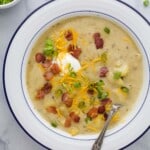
x=68, y=35
x=67, y=123
x=39, y=57
x=48, y=75
x=90, y=91
x=76, y=53
x=93, y=112
x=51, y=109
x=47, y=63
x=99, y=42
x=71, y=47
x=101, y=109
x=74, y=50
x=96, y=35
x=103, y=71
x=106, y=101
x=40, y=94
x=66, y=100
x=46, y=88
x=55, y=68
x=105, y=116
x=74, y=117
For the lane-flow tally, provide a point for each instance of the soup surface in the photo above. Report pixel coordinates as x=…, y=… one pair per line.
x=78, y=68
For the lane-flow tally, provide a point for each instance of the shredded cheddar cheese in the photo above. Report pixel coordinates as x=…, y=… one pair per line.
x=116, y=117
x=90, y=127
x=59, y=113
x=75, y=36
x=73, y=131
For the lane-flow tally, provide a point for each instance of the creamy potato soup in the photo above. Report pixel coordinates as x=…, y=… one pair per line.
x=78, y=68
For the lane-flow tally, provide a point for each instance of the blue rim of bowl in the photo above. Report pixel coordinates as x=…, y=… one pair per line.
x=4, y=63
x=65, y=15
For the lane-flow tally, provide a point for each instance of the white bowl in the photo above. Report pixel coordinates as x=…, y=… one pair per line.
x=8, y=5
x=18, y=52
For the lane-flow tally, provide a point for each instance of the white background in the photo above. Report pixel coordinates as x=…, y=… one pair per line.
x=12, y=137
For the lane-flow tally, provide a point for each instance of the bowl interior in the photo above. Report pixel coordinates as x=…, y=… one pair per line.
x=142, y=95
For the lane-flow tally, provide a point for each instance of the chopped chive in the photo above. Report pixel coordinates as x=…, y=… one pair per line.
x=125, y=89
x=77, y=84
x=117, y=75
x=81, y=104
x=70, y=67
x=104, y=95
x=64, y=85
x=99, y=95
x=59, y=92
x=103, y=57
x=92, y=100
x=54, y=124
x=87, y=119
x=146, y=3
x=99, y=84
x=107, y=30
x=73, y=74
x=49, y=49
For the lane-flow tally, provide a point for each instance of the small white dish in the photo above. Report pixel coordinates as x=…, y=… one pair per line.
x=10, y=4
x=15, y=84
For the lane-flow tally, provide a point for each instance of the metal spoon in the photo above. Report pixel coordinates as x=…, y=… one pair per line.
x=98, y=143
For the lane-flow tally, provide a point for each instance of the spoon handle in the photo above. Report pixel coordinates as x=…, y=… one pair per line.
x=98, y=143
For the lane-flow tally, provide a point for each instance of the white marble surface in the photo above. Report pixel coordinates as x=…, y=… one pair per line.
x=12, y=137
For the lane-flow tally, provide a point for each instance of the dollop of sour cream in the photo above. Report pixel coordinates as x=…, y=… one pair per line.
x=65, y=59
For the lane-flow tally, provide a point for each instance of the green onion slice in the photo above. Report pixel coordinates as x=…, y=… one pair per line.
x=54, y=124
x=117, y=75
x=125, y=89
x=107, y=30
